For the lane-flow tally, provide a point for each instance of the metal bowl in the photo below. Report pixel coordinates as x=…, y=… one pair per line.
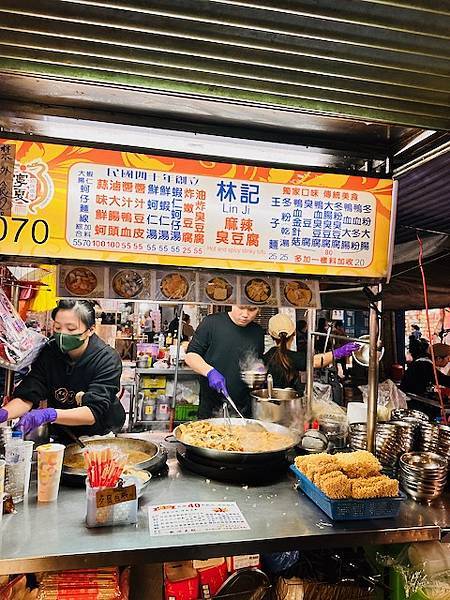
x=253, y=378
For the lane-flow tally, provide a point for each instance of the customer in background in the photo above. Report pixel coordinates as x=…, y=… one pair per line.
x=187, y=331
x=322, y=327
x=284, y=364
x=302, y=335
x=419, y=377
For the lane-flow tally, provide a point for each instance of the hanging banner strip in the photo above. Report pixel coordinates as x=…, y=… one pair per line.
x=92, y=204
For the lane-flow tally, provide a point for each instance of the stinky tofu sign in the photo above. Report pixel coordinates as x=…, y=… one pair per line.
x=92, y=204
x=7, y=155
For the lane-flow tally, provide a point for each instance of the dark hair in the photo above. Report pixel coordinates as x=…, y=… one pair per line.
x=83, y=308
x=301, y=324
x=281, y=358
x=418, y=348
x=322, y=324
x=416, y=327
x=339, y=323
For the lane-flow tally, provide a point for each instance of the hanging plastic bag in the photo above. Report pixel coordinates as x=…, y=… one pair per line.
x=19, y=345
x=389, y=398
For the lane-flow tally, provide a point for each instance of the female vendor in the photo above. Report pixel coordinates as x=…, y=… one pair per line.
x=77, y=374
x=285, y=365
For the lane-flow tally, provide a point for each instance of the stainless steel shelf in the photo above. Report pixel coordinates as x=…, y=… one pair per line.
x=53, y=536
x=158, y=372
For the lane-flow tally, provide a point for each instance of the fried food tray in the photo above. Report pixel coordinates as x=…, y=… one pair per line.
x=349, y=509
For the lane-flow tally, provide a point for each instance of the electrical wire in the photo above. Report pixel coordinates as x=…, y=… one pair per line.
x=430, y=337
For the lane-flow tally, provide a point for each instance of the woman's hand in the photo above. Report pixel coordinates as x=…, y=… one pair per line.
x=345, y=350
x=36, y=418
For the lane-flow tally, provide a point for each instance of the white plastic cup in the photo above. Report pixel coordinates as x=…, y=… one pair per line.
x=356, y=412
x=29, y=444
x=16, y=464
x=50, y=460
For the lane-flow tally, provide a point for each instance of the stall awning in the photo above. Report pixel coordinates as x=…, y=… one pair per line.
x=372, y=60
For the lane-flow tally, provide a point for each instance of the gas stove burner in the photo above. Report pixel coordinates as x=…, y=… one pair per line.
x=251, y=474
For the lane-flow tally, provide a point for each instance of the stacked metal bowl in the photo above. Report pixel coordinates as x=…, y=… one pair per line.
x=428, y=437
x=401, y=413
x=443, y=445
x=392, y=439
x=427, y=433
x=423, y=475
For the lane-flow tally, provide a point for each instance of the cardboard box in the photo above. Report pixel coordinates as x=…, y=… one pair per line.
x=206, y=564
x=181, y=581
x=235, y=563
x=212, y=578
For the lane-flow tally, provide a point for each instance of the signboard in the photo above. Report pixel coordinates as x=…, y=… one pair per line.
x=92, y=204
x=7, y=155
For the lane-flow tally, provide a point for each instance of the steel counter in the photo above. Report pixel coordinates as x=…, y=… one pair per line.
x=53, y=536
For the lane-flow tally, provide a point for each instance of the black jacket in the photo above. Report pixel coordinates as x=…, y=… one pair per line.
x=55, y=378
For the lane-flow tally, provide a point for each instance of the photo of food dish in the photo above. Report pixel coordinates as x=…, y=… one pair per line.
x=127, y=283
x=257, y=290
x=218, y=289
x=80, y=281
x=174, y=286
x=297, y=293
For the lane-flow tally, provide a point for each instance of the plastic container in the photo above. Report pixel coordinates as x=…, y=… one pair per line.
x=16, y=456
x=122, y=513
x=162, y=409
x=186, y=412
x=148, y=408
x=349, y=509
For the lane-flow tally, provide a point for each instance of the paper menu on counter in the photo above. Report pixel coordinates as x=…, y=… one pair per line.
x=195, y=517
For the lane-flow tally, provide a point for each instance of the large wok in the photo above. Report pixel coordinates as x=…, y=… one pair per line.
x=154, y=451
x=233, y=456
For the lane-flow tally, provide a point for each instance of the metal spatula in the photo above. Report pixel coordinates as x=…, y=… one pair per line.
x=249, y=424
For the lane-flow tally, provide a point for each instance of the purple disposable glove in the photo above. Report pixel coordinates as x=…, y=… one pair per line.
x=3, y=415
x=36, y=418
x=345, y=350
x=217, y=381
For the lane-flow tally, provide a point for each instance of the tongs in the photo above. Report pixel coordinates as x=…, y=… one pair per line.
x=249, y=424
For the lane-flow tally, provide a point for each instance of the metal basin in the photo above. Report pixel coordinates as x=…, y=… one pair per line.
x=284, y=407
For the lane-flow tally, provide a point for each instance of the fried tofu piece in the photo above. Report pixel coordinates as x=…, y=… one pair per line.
x=312, y=462
x=375, y=487
x=335, y=485
x=358, y=464
x=323, y=469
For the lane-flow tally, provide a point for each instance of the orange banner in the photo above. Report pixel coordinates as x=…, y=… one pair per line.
x=92, y=204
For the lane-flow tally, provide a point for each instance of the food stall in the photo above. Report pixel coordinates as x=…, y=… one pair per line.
x=213, y=233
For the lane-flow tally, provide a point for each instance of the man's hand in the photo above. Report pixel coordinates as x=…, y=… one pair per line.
x=36, y=418
x=217, y=381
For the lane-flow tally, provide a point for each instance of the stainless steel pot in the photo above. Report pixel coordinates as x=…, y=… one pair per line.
x=235, y=457
x=124, y=444
x=283, y=407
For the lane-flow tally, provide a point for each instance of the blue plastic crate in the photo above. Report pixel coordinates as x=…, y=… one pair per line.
x=349, y=509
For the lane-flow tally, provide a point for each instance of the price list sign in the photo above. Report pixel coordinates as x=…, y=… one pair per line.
x=195, y=517
x=147, y=209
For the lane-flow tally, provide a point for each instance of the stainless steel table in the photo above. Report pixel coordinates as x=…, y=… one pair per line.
x=53, y=537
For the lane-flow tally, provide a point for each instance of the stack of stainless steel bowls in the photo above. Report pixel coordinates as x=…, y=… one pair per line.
x=443, y=446
x=401, y=413
x=423, y=475
x=357, y=436
x=428, y=437
x=426, y=431
x=392, y=440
